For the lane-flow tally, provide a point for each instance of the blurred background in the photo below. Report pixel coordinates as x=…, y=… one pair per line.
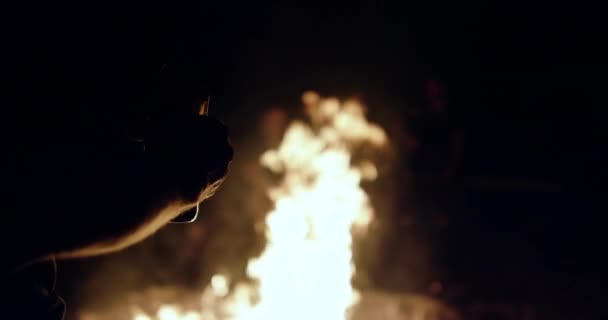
x=488, y=199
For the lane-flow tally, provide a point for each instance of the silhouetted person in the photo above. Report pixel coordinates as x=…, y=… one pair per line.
x=436, y=139
x=101, y=142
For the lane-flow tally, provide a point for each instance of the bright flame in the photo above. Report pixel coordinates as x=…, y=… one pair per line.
x=306, y=269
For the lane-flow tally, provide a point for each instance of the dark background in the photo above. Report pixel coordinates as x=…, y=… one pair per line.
x=525, y=82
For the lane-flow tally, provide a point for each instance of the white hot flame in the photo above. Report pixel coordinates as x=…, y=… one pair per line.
x=306, y=268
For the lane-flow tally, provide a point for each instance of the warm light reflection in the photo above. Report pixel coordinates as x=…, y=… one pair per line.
x=306, y=268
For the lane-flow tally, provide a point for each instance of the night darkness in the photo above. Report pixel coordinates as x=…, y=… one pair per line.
x=523, y=83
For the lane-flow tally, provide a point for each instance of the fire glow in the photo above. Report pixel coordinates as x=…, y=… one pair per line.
x=306, y=268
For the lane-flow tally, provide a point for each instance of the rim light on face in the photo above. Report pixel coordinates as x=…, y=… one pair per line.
x=191, y=215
